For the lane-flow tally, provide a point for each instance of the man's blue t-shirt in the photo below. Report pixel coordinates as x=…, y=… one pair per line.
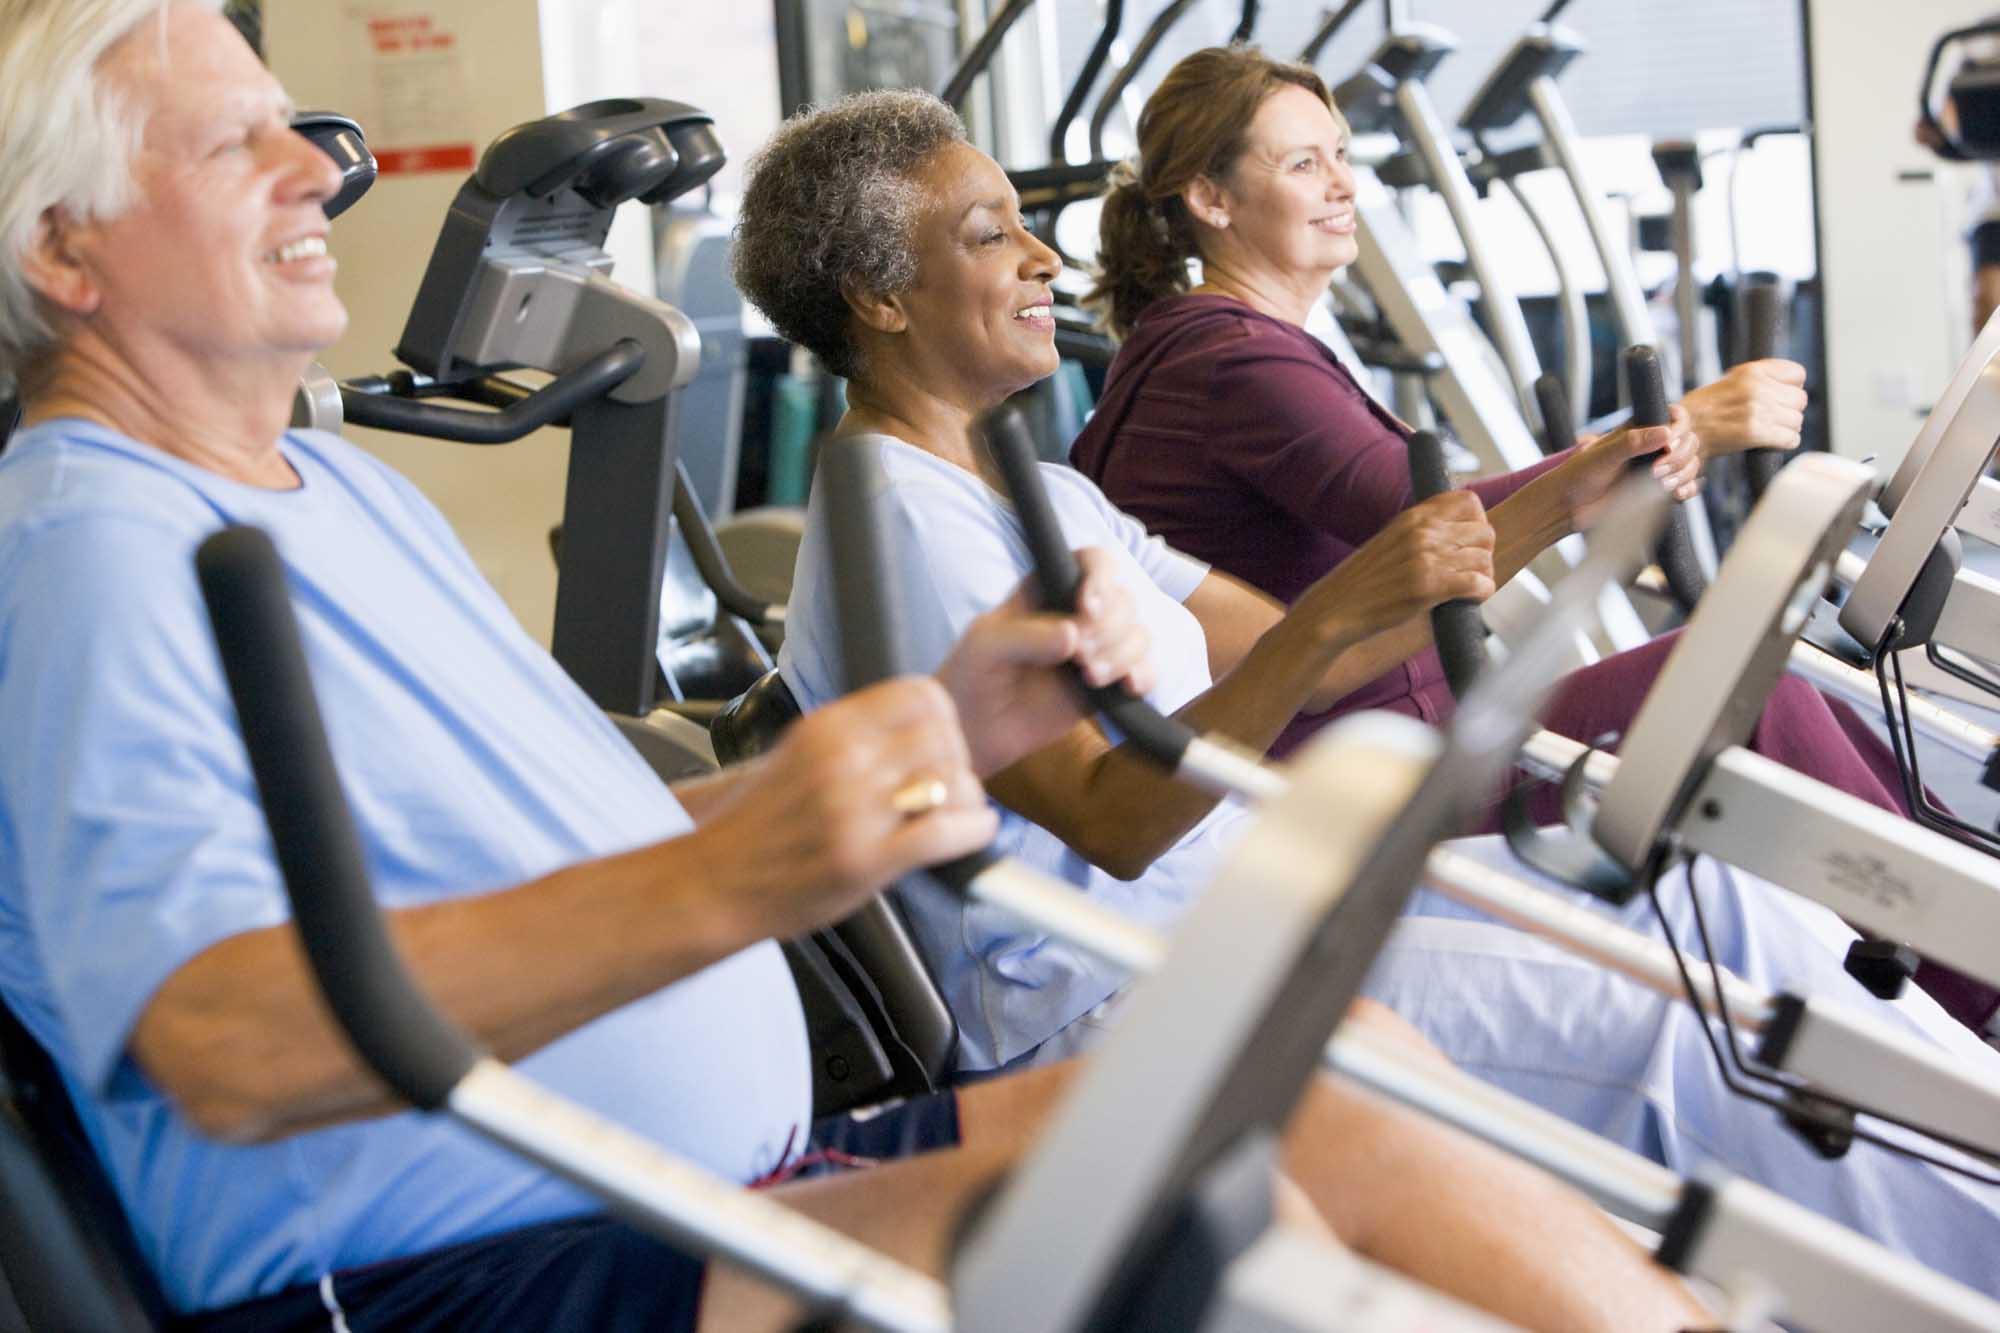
x=131, y=840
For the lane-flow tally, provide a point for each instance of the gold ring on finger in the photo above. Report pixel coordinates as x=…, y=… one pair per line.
x=919, y=796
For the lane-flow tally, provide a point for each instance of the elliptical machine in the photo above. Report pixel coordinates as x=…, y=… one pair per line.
x=519, y=280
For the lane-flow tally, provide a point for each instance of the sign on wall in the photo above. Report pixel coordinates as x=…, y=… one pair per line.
x=407, y=70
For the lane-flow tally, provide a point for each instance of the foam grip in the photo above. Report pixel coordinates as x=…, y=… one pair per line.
x=395, y=1030
x=1646, y=385
x=1558, y=430
x=1460, y=634
x=1057, y=575
x=1675, y=552
x=1013, y=452
x=866, y=595
x=1762, y=316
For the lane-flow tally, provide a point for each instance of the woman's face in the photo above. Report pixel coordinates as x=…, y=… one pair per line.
x=979, y=321
x=222, y=256
x=1289, y=199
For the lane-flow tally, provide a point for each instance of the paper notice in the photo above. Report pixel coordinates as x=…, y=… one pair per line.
x=408, y=72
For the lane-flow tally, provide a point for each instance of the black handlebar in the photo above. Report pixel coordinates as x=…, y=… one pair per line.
x=1460, y=634
x=1093, y=65
x=1332, y=25
x=397, y=1033
x=866, y=594
x=1246, y=23
x=383, y=409
x=1762, y=313
x=1648, y=389
x=1122, y=77
x=1675, y=551
x=1558, y=428
x=709, y=560
x=981, y=55
x=1057, y=575
x=1947, y=147
x=341, y=139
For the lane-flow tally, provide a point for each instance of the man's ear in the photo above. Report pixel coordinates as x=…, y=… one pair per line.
x=53, y=267
x=874, y=310
x=1206, y=202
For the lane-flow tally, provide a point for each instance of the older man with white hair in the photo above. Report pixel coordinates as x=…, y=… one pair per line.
x=164, y=278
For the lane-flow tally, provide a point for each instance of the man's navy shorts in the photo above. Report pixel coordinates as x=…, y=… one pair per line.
x=590, y=1272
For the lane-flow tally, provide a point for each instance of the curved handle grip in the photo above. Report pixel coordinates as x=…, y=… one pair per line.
x=709, y=561
x=1646, y=385
x=1460, y=634
x=547, y=405
x=1246, y=23
x=1056, y=574
x=1327, y=28
x=1675, y=552
x=393, y=1027
x=1558, y=427
x=1762, y=316
x=866, y=596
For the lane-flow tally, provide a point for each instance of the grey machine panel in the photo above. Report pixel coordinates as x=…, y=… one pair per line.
x=1931, y=499
x=1742, y=632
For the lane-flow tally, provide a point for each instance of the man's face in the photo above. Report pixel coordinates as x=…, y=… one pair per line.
x=222, y=256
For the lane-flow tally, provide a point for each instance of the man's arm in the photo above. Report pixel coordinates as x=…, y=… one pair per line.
x=239, y=1038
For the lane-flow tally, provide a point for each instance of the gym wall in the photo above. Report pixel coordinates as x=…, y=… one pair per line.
x=1891, y=219
x=434, y=83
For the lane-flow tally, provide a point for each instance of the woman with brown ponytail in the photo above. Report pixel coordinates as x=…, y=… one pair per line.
x=874, y=235
x=1237, y=436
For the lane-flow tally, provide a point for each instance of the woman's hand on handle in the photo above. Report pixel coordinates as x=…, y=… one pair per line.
x=1594, y=471
x=1008, y=674
x=1436, y=551
x=1757, y=405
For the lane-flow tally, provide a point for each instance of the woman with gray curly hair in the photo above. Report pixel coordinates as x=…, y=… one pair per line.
x=941, y=309
x=873, y=234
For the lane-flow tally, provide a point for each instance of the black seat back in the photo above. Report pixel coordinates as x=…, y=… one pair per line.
x=65, y=1246
x=867, y=966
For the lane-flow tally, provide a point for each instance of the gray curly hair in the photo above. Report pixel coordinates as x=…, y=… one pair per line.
x=832, y=201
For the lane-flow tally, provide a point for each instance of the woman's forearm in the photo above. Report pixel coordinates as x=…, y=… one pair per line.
x=1369, y=659
x=1118, y=808
x=1529, y=522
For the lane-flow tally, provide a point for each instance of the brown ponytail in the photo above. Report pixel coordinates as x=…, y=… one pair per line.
x=1195, y=124
x=1142, y=255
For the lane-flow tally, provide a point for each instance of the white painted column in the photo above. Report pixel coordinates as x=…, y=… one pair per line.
x=1891, y=216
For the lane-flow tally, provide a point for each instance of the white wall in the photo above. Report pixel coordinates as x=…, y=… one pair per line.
x=1890, y=216
x=502, y=500
x=512, y=60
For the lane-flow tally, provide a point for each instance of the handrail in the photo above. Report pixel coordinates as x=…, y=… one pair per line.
x=981, y=55
x=379, y=406
x=1093, y=64
x=1175, y=11
x=1310, y=53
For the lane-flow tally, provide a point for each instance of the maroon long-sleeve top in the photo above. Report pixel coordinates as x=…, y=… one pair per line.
x=1244, y=442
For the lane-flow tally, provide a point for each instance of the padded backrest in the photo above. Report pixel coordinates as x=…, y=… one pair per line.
x=67, y=1249
x=751, y=723
x=893, y=981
